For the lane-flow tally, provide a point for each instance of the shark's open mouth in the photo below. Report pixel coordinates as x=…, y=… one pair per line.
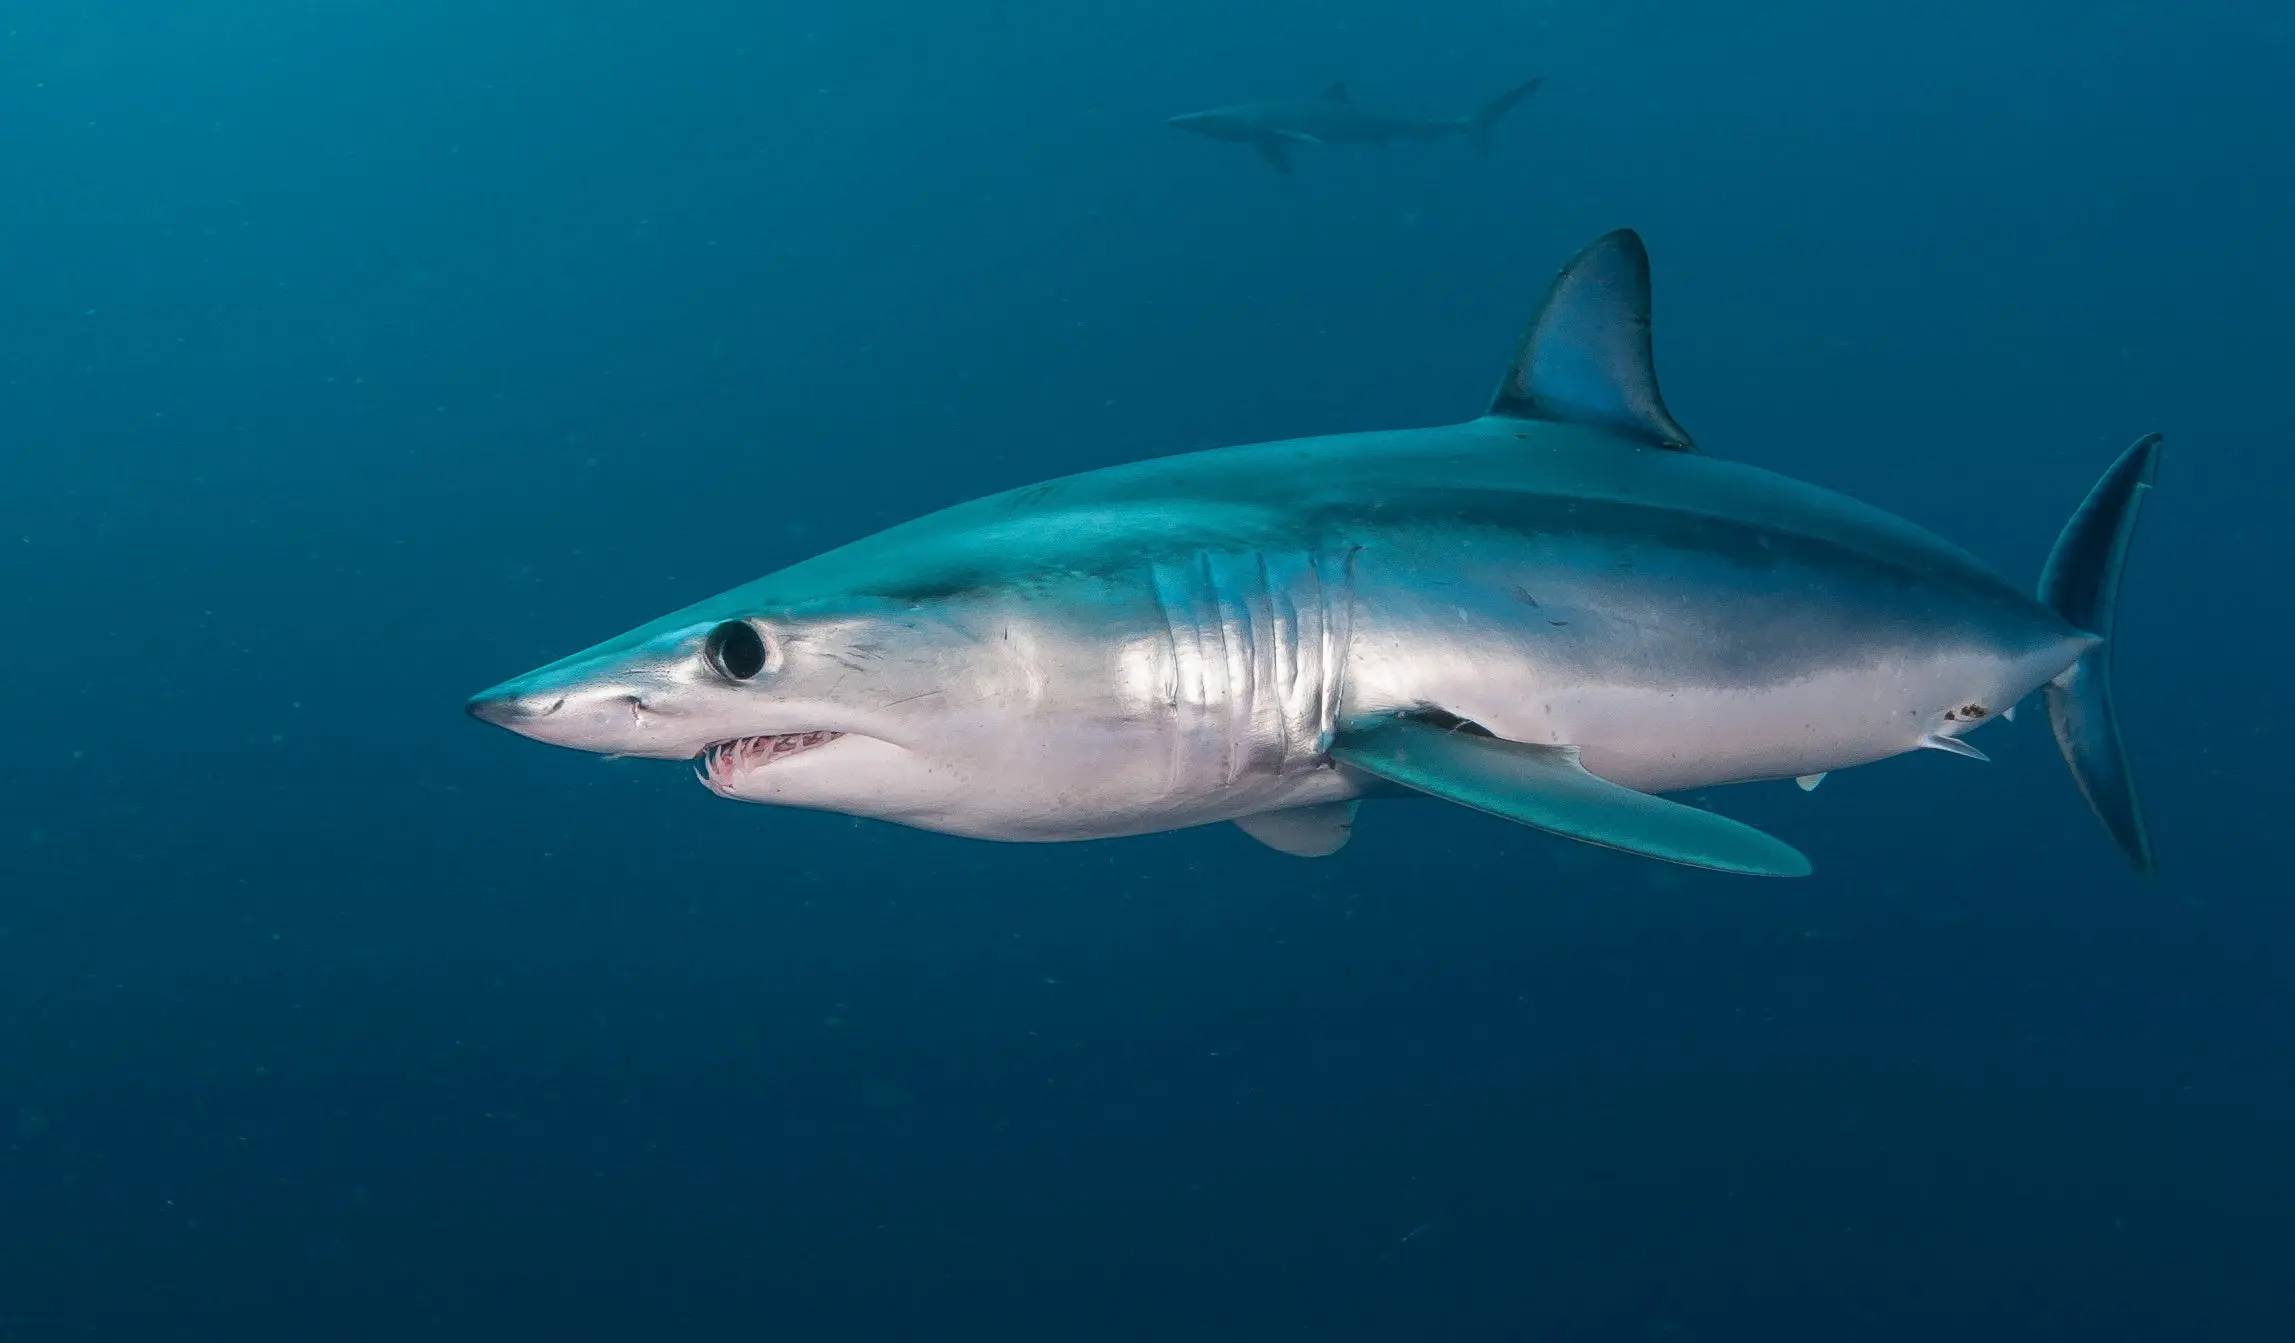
x=722, y=763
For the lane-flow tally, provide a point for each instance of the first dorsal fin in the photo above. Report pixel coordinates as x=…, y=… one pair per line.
x=1337, y=93
x=1586, y=357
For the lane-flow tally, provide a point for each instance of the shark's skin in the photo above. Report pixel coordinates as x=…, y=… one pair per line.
x=1255, y=633
x=1275, y=128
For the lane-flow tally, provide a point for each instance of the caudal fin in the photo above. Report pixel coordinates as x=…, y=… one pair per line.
x=2082, y=584
x=1479, y=125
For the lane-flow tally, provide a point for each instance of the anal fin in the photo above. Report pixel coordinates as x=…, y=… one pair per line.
x=1547, y=788
x=1317, y=831
x=1809, y=782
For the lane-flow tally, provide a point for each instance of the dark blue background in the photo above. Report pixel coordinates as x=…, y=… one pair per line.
x=359, y=354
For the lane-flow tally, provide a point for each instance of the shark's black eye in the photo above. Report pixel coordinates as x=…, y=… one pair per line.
x=735, y=650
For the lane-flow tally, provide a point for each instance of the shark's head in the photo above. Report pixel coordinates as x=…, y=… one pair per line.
x=1222, y=123
x=828, y=705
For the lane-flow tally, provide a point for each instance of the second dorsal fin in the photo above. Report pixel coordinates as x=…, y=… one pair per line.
x=1586, y=356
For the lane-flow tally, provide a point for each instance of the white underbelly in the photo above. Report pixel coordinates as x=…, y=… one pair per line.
x=1665, y=739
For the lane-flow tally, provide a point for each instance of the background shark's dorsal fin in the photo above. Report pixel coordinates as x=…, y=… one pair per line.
x=1586, y=357
x=1337, y=93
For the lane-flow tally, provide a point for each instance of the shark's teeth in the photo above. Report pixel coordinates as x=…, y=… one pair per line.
x=722, y=763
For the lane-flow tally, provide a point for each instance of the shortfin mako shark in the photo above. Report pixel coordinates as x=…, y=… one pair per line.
x=1553, y=613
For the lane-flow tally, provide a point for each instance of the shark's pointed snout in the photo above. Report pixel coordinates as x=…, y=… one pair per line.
x=505, y=707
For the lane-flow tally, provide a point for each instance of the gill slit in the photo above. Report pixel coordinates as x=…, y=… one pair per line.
x=1283, y=675
x=1174, y=748
x=1237, y=611
x=1338, y=632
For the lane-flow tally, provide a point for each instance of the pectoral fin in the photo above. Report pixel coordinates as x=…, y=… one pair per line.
x=1546, y=787
x=1273, y=152
x=1303, y=832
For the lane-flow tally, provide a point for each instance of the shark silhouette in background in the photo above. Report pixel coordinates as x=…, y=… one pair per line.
x=1333, y=118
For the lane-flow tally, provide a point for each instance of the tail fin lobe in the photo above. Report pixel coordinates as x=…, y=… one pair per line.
x=1483, y=121
x=2081, y=583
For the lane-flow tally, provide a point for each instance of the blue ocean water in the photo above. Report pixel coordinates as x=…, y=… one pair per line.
x=359, y=355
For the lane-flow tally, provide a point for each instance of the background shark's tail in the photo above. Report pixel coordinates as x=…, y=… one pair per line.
x=2082, y=584
x=1480, y=124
